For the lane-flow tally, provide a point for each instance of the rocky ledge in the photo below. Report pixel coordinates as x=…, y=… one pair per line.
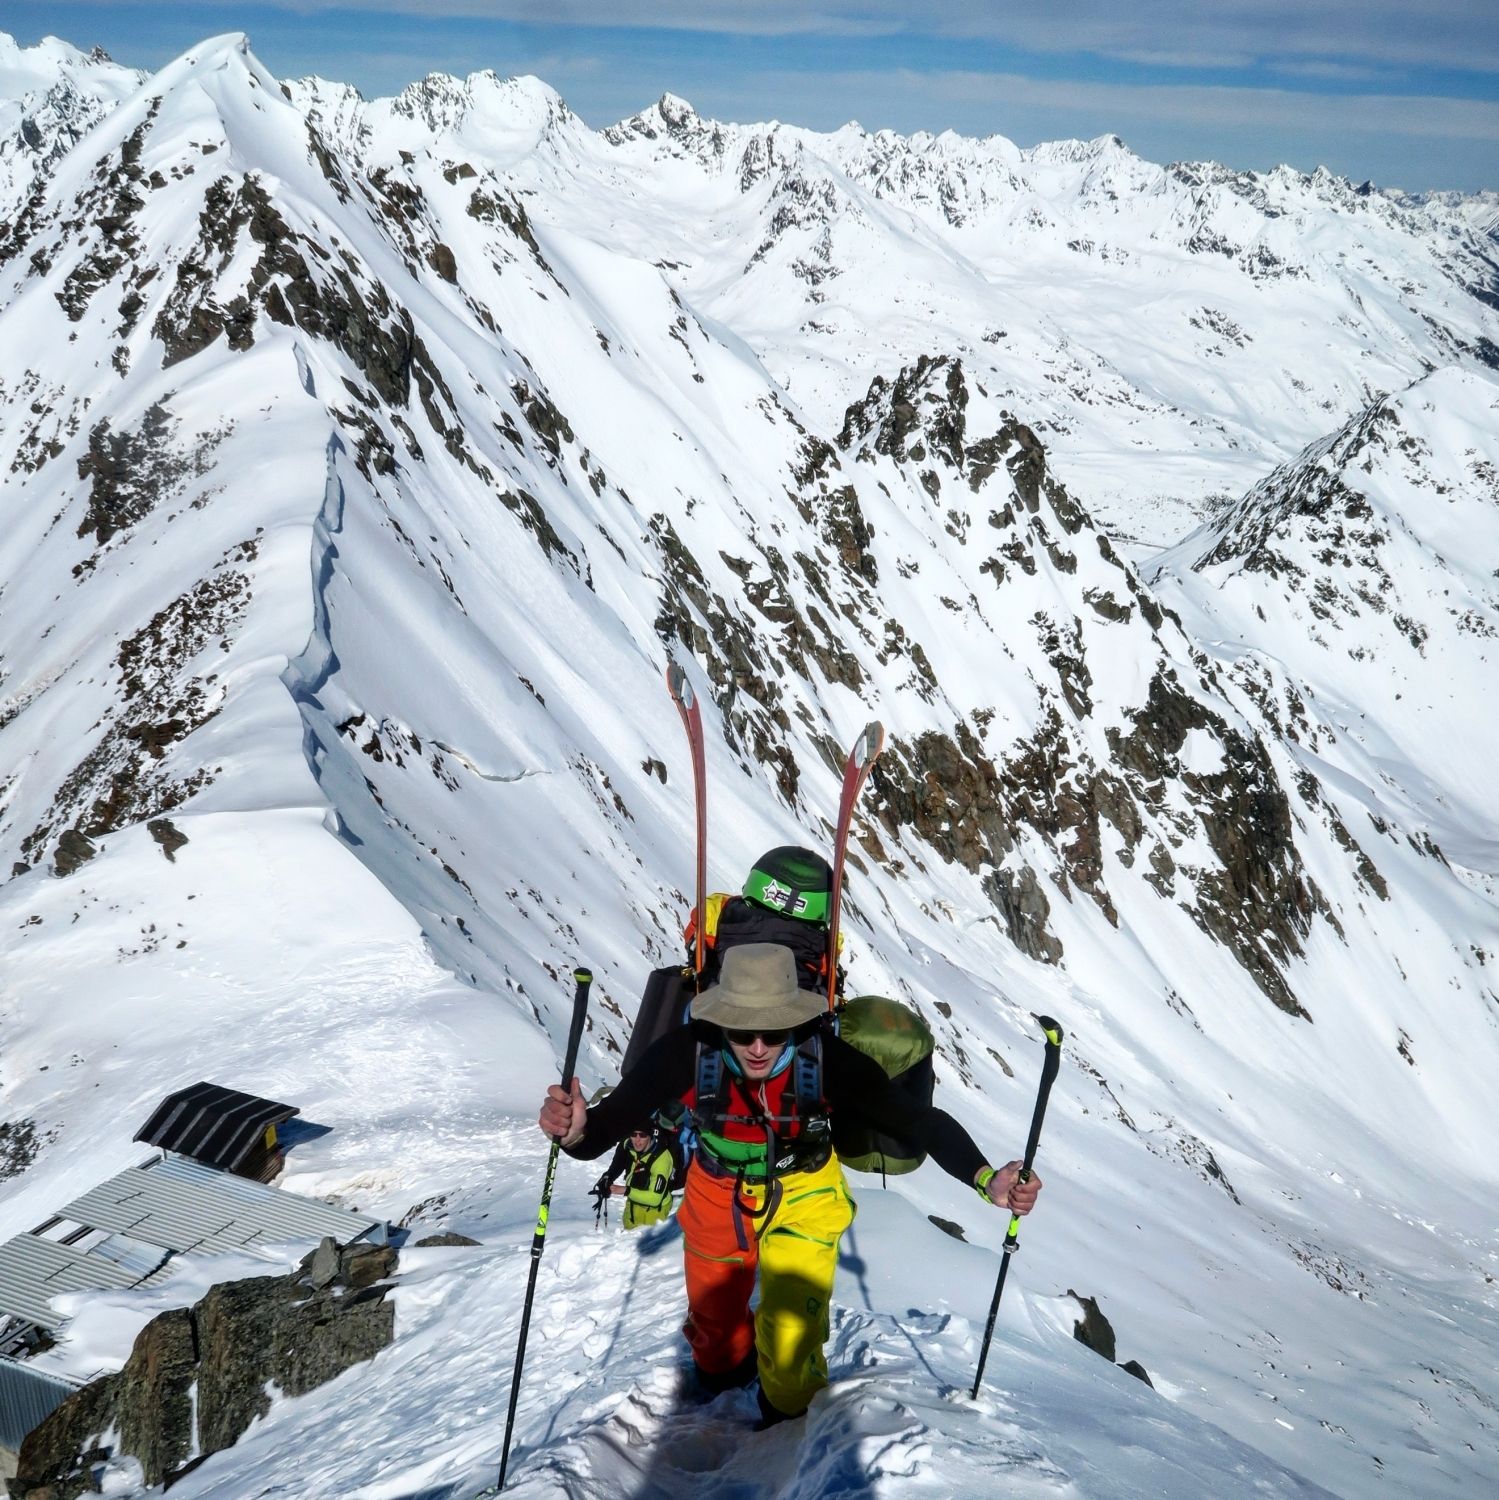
x=197, y=1377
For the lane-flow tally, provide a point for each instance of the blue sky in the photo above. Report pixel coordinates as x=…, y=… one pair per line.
x=1405, y=92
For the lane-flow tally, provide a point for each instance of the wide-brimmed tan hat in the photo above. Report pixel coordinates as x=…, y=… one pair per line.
x=757, y=990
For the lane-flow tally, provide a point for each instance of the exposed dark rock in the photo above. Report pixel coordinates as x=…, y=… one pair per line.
x=362, y=1265
x=133, y=472
x=948, y=791
x=168, y=835
x=197, y=1378
x=1135, y=1368
x=1022, y=903
x=73, y=850
x=1093, y=1329
x=1258, y=902
x=840, y=522
x=321, y=1267
x=948, y=1227
x=552, y=429
x=58, y=1457
x=447, y=1237
x=269, y=1330
x=927, y=399
x=120, y=781
x=109, y=207
x=506, y=209
x=530, y=512
x=18, y=1147
x=296, y=280
x=154, y=1405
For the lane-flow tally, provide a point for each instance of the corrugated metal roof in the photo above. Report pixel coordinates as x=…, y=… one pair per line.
x=212, y=1124
x=167, y=1205
x=34, y=1270
x=27, y=1397
x=182, y=1205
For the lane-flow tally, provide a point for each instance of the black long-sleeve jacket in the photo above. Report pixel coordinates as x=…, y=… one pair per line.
x=853, y=1085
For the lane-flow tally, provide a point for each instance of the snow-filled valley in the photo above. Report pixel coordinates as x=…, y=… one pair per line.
x=363, y=463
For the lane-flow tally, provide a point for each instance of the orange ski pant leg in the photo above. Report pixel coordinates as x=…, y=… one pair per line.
x=798, y=1260
x=720, y=1268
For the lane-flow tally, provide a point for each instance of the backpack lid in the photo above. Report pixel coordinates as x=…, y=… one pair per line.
x=791, y=880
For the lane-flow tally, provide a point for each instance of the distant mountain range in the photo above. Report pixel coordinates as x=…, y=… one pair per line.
x=361, y=463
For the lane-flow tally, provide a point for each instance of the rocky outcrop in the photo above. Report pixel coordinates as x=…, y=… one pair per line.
x=1094, y=1331
x=197, y=1378
x=1157, y=782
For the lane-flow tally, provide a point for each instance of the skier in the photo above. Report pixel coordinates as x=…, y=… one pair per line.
x=762, y=1075
x=648, y=1162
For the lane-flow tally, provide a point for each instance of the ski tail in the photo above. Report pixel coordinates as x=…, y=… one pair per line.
x=856, y=768
x=684, y=695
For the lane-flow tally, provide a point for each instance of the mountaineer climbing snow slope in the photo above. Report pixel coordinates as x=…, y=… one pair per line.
x=361, y=462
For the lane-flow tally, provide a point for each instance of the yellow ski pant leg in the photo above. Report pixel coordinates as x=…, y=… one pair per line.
x=798, y=1260
x=638, y=1215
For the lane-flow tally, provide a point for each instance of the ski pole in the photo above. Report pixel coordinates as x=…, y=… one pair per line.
x=1012, y=1239
x=538, y=1241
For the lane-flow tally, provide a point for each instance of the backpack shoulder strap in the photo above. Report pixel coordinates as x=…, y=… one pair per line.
x=807, y=1080
x=712, y=1091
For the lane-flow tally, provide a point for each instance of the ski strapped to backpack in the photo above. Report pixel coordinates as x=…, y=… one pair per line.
x=685, y=697
x=892, y=1033
x=856, y=769
x=669, y=990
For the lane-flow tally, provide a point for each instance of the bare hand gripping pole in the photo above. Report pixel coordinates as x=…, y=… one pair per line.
x=1012, y=1239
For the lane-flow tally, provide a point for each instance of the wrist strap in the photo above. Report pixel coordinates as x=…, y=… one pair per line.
x=981, y=1184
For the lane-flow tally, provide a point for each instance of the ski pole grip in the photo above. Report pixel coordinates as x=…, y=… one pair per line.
x=1048, y=1074
x=583, y=978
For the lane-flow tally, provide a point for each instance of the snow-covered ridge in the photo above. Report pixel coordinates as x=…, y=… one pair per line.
x=51, y=95
x=359, y=467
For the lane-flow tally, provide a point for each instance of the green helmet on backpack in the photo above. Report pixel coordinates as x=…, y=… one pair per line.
x=795, y=882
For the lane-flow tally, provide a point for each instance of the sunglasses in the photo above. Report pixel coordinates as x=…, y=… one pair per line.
x=747, y=1038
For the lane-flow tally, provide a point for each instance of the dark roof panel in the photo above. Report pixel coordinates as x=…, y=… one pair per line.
x=212, y=1124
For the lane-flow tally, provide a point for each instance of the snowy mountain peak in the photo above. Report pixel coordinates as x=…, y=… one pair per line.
x=1100, y=148
x=51, y=95
x=446, y=104
x=25, y=70
x=675, y=112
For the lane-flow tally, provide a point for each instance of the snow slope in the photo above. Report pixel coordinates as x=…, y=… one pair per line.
x=362, y=462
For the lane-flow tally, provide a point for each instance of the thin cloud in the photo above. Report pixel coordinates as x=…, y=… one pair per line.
x=1333, y=72
x=1458, y=34
x=1208, y=61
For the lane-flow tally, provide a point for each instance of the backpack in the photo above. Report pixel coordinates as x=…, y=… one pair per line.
x=897, y=1038
x=890, y=1032
x=730, y=920
x=663, y=1007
